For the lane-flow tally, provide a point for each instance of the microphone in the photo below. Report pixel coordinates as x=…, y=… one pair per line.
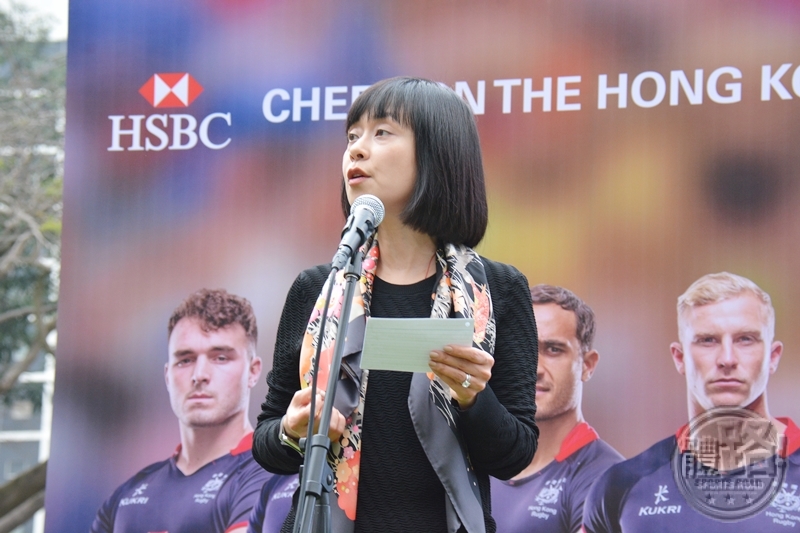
x=366, y=214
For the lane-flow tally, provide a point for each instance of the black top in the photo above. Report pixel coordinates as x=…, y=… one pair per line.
x=391, y=451
x=398, y=488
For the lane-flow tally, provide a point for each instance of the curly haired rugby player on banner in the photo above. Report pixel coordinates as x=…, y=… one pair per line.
x=548, y=495
x=211, y=483
x=727, y=351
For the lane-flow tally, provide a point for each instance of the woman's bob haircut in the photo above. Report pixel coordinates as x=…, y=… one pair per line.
x=449, y=198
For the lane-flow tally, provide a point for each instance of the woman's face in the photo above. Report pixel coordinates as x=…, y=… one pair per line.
x=380, y=159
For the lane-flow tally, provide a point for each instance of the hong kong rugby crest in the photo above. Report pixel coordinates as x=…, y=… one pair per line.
x=551, y=491
x=209, y=491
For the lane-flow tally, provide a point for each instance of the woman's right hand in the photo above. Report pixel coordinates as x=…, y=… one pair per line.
x=295, y=421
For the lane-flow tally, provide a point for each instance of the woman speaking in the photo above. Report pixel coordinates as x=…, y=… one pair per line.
x=416, y=451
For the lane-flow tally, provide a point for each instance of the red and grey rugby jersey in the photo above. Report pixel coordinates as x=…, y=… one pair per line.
x=551, y=500
x=160, y=498
x=640, y=495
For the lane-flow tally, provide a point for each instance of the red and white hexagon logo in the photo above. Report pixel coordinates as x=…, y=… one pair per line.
x=174, y=89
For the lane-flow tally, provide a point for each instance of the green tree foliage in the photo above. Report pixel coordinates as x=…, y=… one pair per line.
x=32, y=98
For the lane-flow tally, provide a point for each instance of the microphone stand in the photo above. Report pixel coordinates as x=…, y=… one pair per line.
x=314, y=511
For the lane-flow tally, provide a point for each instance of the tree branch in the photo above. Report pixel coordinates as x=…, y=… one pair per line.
x=22, y=513
x=12, y=375
x=21, y=488
x=22, y=311
x=33, y=226
x=13, y=254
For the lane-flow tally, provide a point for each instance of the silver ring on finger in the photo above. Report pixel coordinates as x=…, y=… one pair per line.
x=467, y=381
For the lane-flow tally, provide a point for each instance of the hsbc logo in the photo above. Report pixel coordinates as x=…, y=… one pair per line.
x=174, y=131
x=171, y=90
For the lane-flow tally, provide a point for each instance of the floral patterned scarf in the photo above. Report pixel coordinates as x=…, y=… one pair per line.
x=461, y=291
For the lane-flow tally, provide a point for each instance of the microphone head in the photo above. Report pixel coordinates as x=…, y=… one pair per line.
x=371, y=202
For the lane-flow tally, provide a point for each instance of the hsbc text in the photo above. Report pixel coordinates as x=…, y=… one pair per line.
x=184, y=132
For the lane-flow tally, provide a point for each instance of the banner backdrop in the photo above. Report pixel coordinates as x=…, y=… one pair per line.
x=629, y=147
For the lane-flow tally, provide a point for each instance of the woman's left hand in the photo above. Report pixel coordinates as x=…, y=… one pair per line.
x=465, y=369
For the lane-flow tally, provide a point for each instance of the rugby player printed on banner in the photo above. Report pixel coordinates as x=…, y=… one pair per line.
x=167, y=90
x=548, y=496
x=730, y=467
x=211, y=482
